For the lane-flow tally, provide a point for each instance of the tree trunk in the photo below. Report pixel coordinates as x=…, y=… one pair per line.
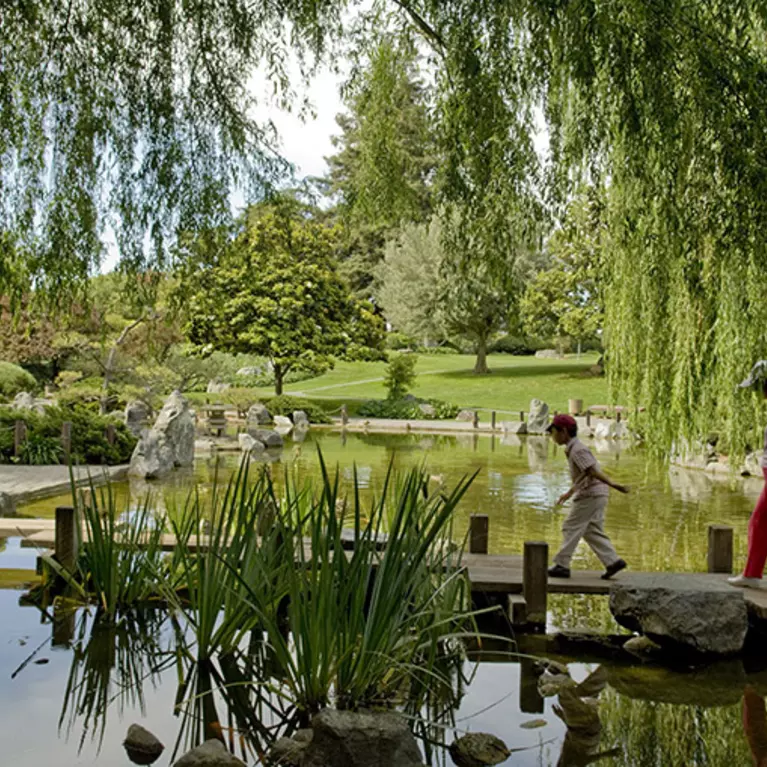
x=278, y=375
x=109, y=367
x=480, y=366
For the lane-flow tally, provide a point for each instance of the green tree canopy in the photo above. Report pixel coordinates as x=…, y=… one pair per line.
x=274, y=291
x=566, y=298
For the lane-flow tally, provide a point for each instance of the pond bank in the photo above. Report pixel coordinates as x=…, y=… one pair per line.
x=19, y=484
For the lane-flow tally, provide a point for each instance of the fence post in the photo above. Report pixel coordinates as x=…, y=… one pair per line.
x=344, y=415
x=479, y=525
x=535, y=581
x=521, y=415
x=66, y=438
x=19, y=437
x=719, y=549
x=588, y=418
x=492, y=420
x=65, y=546
x=475, y=420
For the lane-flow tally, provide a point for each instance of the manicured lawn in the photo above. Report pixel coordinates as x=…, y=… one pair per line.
x=512, y=383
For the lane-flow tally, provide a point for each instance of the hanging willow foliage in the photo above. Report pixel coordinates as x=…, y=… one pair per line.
x=139, y=115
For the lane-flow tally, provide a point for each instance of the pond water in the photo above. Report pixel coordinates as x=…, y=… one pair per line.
x=74, y=708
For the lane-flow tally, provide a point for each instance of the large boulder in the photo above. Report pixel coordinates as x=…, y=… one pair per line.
x=249, y=444
x=136, y=416
x=258, y=415
x=300, y=419
x=682, y=612
x=283, y=422
x=169, y=443
x=141, y=746
x=152, y=457
x=466, y=415
x=212, y=753
x=360, y=739
x=538, y=417
x=267, y=436
x=217, y=387
x=176, y=422
x=26, y=401
x=427, y=410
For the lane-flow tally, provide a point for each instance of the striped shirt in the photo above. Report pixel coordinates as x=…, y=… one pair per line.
x=581, y=459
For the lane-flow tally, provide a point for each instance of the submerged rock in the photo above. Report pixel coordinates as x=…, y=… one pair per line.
x=141, y=746
x=361, y=739
x=212, y=753
x=478, y=749
x=267, y=436
x=538, y=417
x=682, y=612
x=249, y=444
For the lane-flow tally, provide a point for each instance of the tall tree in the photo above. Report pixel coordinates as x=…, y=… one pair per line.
x=274, y=291
x=566, y=299
x=382, y=171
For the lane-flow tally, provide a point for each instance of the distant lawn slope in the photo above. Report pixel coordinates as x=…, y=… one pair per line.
x=512, y=383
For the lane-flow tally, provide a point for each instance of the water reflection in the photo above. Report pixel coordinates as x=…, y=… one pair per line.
x=755, y=725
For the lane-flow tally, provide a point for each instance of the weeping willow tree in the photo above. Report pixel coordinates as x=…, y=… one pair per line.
x=141, y=117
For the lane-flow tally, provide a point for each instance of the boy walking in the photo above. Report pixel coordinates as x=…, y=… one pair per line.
x=589, y=491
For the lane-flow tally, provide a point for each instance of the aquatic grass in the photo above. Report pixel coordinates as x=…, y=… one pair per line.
x=365, y=623
x=119, y=558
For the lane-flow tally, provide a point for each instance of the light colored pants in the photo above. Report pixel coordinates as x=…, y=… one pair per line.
x=586, y=520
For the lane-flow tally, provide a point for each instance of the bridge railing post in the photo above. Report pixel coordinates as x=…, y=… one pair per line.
x=66, y=538
x=719, y=549
x=535, y=581
x=479, y=525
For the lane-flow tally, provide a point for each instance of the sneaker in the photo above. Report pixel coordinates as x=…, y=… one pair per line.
x=745, y=583
x=615, y=567
x=559, y=572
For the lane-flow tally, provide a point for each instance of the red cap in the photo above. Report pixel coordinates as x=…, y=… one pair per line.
x=563, y=422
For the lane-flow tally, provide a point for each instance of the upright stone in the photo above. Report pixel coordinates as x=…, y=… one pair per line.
x=300, y=419
x=258, y=415
x=538, y=417
x=136, y=416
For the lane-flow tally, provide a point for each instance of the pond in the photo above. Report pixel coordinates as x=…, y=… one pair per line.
x=75, y=707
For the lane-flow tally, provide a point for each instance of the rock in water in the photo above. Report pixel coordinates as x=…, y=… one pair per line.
x=250, y=444
x=466, y=415
x=268, y=437
x=538, y=417
x=361, y=739
x=141, y=746
x=258, y=415
x=682, y=612
x=212, y=753
x=478, y=749
x=283, y=421
x=169, y=443
x=287, y=752
x=300, y=419
x=177, y=423
x=152, y=457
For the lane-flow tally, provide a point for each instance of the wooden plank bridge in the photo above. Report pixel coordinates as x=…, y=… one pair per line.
x=520, y=580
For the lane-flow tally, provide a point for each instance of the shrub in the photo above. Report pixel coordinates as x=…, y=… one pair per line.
x=518, y=345
x=399, y=375
x=89, y=442
x=267, y=379
x=14, y=379
x=444, y=349
x=395, y=341
x=407, y=409
x=285, y=405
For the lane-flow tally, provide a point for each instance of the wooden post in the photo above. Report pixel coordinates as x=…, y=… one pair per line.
x=535, y=581
x=588, y=418
x=492, y=420
x=65, y=547
x=478, y=533
x=111, y=434
x=618, y=416
x=521, y=415
x=63, y=631
x=475, y=420
x=66, y=439
x=719, y=549
x=19, y=437
x=530, y=700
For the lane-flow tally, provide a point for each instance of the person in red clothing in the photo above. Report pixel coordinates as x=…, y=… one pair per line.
x=751, y=577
